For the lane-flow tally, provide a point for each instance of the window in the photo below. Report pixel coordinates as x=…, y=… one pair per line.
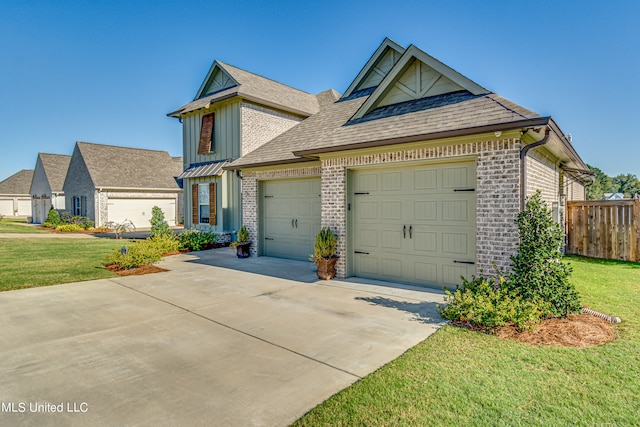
x=79, y=205
x=205, y=146
x=203, y=203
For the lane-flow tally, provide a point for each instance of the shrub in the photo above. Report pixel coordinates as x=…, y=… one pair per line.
x=65, y=217
x=121, y=227
x=165, y=243
x=538, y=270
x=135, y=255
x=197, y=240
x=159, y=226
x=48, y=225
x=82, y=221
x=489, y=303
x=68, y=228
x=53, y=218
x=243, y=235
x=325, y=245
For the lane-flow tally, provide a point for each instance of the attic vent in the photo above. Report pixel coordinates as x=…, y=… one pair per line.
x=206, y=134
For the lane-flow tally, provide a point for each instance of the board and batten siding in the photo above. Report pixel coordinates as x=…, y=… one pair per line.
x=229, y=212
x=226, y=134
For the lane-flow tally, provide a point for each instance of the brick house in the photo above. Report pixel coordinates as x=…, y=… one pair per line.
x=419, y=170
x=108, y=183
x=234, y=112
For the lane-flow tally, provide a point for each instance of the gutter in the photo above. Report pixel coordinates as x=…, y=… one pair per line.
x=523, y=165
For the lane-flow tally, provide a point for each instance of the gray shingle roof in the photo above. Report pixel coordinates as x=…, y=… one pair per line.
x=123, y=167
x=19, y=183
x=331, y=129
x=258, y=89
x=55, y=168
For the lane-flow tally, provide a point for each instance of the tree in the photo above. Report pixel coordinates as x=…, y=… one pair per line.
x=159, y=227
x=626, y=183
x=602, y=184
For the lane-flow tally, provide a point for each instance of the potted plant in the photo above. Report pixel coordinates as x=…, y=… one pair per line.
x=242, y=243
x=324, y=253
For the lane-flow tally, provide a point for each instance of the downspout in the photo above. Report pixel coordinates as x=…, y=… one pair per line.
x=523, y=165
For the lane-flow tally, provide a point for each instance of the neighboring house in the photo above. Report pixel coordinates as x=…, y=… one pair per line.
x=613, y=196
x=46, y=187
x=233, y=113
x=14, y=194
x=112, y=184
x=419, y=170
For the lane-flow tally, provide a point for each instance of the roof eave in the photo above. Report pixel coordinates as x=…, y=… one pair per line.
x=539, y=121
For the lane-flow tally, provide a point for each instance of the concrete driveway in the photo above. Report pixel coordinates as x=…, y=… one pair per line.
x=211, y=343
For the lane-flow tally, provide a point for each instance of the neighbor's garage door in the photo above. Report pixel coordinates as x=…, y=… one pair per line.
x=6, y=207
x=416, y=224
x=138, y=211
x=291, y=217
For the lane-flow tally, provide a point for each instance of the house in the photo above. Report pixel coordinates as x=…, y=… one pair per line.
x=14, y=194
x=107, y=183
x=418, y=169
x=613, y=196
x=46, y=187
x=233, y=113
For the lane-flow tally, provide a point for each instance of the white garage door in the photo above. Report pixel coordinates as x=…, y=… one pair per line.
x=138, y=211
x=415, y=224
x=24, y=207
x=6, y=207
x=291, y=214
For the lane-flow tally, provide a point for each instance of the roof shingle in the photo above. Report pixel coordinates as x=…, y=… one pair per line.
x=18, y=183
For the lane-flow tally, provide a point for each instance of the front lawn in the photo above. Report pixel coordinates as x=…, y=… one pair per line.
x=459, y=377
x=17, y=225
x=25, y=263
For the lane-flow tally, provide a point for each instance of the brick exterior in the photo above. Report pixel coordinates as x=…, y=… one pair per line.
x=497, y=193
x=261, y=124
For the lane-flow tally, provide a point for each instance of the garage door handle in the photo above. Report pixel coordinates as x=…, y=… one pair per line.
x=411, y=231
x=291, y=223
x=360, y=252
x=296, y=223
x=268, y=238
x=404, y=232
x=464, y=262
x=465, y=189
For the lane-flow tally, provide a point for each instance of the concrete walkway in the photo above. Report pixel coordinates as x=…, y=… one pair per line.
x=211, y=343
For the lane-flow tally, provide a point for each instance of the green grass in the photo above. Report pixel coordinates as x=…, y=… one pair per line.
x=17, y=225
x=25, y=263
x=458, y=377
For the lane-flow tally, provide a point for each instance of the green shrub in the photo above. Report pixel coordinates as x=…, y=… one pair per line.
x=53, y=218
x=82, y=221
x=538, y=270
x=65, y=217
x=243, y=235
x=165, y=243
x=159, y=226
x=197, y=240
x=135, y=255
x=68, y=228
x=325, y=245
x=48, y=225
x=488, y=303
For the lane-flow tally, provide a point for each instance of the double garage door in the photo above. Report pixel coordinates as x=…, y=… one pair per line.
x=416, y=224
x=291, y=214
x=138, y=211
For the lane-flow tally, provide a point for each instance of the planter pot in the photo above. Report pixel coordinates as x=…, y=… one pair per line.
x=327, y=268
x=243, y=250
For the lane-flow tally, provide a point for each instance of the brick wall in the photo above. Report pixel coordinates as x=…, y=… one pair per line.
x=261, y=124
x=543, y=174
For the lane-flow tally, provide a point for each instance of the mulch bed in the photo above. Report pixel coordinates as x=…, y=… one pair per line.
x=576, y=330
x=138, y=271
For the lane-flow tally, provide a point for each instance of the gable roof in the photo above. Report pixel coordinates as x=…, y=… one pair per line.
x=385, y=56
x=417, y=75
x=111, y=166
x=251, y=87
x=55, y=169
x=19, y=183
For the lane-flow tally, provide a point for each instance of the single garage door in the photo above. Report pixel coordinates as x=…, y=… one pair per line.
x=415, y=224
x=291, y=217
x=138, y=211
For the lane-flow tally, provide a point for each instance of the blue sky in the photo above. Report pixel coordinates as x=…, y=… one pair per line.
x=110, y=71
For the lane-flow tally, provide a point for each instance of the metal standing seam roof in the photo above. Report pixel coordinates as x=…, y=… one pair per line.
x=197, y=170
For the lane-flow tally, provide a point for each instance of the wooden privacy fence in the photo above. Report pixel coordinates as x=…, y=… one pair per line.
x=604, y=229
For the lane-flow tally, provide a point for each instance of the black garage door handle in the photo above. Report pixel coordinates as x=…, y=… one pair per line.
x=360, y=252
